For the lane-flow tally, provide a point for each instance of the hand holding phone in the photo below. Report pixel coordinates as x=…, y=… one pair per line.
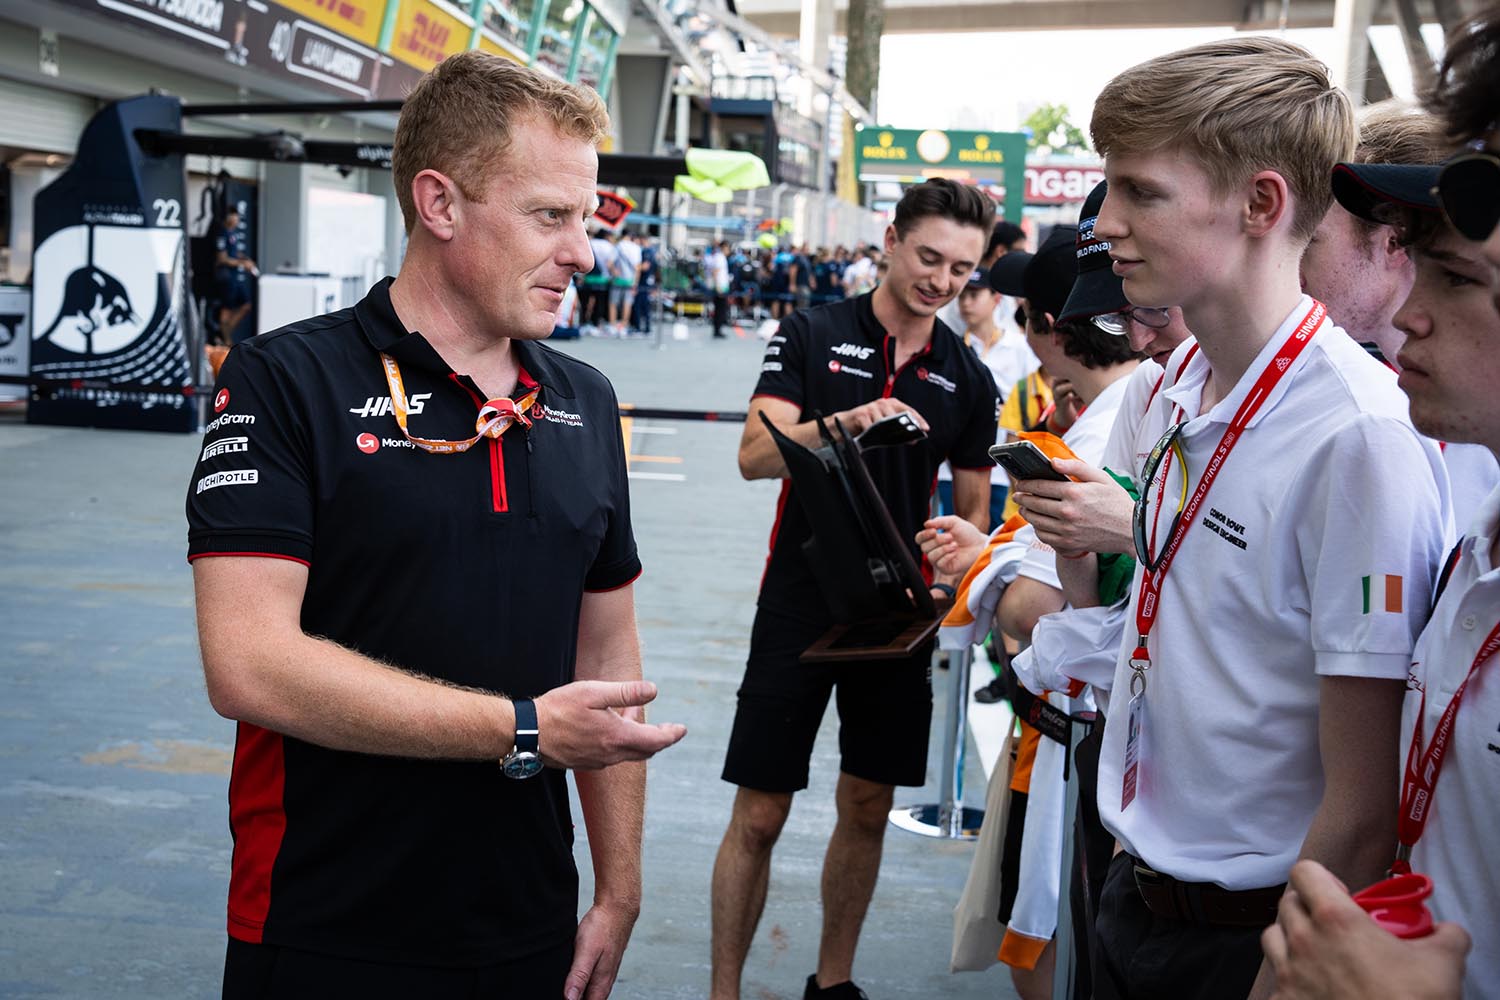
x=1024, y=460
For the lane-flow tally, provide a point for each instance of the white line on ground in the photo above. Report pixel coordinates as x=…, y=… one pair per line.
x=669, y=477
x=638, y=429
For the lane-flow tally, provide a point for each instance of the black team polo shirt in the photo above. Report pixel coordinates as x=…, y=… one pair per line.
x=837, y=356
x=466, y=567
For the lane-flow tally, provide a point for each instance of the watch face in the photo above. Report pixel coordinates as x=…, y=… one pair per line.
x=522, y=764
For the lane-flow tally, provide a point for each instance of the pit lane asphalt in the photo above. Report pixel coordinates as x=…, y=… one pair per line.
x=114, y=844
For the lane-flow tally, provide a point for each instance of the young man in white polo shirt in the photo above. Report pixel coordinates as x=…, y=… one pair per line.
x=1256, y=699
x=1362, y=272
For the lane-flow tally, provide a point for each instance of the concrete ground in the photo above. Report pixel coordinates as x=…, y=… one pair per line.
x=114, y=845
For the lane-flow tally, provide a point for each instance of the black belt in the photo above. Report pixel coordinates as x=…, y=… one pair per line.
x=1204, y=902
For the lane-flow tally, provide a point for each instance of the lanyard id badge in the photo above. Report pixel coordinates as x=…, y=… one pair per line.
x=1134, y=738
x=1154, y=572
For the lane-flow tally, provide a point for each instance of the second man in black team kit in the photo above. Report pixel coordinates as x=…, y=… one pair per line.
x=859, y=359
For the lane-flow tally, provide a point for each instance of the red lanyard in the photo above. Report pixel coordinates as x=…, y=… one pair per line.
x=1424, y=765
x=1150, y=590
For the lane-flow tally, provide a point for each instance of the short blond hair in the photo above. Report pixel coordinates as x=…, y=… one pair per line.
x=458, y=120
x=1239, y=106
x=1396, y=132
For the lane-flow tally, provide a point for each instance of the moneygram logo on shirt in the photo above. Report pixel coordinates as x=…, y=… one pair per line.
x=838, y=367
x=540, y=411
x=945, y=384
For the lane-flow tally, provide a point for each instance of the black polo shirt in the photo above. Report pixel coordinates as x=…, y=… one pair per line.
x=467, y=567
x=837, y=356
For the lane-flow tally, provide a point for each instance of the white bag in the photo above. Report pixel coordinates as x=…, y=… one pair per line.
x=977, y=930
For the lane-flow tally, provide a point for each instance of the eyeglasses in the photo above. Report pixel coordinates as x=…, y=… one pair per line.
x=1118, y=323
x=1158, y=464
x=1468, y=189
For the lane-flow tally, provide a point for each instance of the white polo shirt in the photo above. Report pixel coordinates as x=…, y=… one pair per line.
x=1086, y=439
x=1330, y=496
x=1457, y=849
x=1472, y=473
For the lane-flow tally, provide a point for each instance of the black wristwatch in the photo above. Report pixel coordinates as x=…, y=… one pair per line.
x=524, y=761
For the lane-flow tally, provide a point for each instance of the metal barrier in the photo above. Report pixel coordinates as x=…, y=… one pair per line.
x=949, y=818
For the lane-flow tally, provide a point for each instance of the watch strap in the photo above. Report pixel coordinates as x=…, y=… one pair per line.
x=527, y=735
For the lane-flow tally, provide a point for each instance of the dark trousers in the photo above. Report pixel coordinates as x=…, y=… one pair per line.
x=721, y=313
x=266, y=972
x=1146, y=957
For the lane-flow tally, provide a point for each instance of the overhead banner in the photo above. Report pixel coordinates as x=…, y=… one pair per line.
x=329, y=44
x=1048, y=184
x=108, y=292
x=886, y=153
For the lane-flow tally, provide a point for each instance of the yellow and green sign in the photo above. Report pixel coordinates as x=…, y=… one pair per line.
x=913, y=153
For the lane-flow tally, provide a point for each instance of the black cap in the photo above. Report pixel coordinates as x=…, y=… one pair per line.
x=1362, y=187
x=1044, y=278
x=1098, y=289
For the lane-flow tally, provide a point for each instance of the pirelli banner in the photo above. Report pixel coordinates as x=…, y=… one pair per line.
x=882, y=154
x=108, y=291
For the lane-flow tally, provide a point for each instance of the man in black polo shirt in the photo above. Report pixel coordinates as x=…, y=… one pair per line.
x=418, y=542
x=859, y=359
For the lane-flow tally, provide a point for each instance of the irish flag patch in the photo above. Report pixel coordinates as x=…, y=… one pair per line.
x=1382, y=593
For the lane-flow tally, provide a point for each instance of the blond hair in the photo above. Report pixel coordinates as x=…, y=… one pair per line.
x=458, y=120
x=1239, y=106
x=1396, y=132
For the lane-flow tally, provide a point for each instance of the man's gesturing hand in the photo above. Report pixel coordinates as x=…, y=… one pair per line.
x=951, y=544
x=855, y=421
x=1090, y=515
x=592, y=724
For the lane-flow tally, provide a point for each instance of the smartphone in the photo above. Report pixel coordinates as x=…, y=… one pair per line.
x=1024, y=460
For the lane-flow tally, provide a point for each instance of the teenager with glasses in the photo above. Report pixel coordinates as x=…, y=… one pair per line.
x=1324, y=945
x=1256, y=697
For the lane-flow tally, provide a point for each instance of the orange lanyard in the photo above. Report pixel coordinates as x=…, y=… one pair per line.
x=496, y=416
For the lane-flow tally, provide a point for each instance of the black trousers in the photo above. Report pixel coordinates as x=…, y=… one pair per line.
x=1146, y=957
x=721, y=313
x=266, y=972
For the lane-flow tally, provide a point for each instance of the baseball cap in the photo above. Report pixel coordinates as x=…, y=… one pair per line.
x=978, y=277
x=1098, y=289
x=1044, y=278
x=1362, y=187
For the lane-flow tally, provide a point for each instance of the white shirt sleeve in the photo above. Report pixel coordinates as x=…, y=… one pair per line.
x=1373, y=526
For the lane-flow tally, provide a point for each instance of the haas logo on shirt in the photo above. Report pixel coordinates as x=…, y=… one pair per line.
x=854, y=351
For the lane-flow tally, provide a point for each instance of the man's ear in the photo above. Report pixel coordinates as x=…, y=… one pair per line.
x=1269, y=202
x=1396, y=255
x=435, y=197
x=891, y=239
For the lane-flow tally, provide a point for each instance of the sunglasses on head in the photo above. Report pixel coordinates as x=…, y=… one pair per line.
x=1468, y=189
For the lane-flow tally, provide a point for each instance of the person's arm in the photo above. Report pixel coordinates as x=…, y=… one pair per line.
x=1079, y=577
x=261, y=668
x=758, y=456
x=1324, y=946
x=1092, y=514
x=1353, y=831
x=613, y=802
x=971, y=495
x=1023, y=603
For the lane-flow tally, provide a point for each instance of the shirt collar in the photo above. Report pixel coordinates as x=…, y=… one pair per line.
x=386, y=333
x=1482, y=530
x=1187, y=391
x=871, y=329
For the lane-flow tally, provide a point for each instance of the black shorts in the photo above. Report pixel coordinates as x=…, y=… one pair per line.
x=233, y=289
x=267, y=972
x=885, y=708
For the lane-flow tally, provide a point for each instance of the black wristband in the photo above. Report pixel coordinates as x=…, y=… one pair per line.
x=945, y=588
x=527, y=738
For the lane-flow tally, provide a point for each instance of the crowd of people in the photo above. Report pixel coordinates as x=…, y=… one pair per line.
x=1261, y=544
